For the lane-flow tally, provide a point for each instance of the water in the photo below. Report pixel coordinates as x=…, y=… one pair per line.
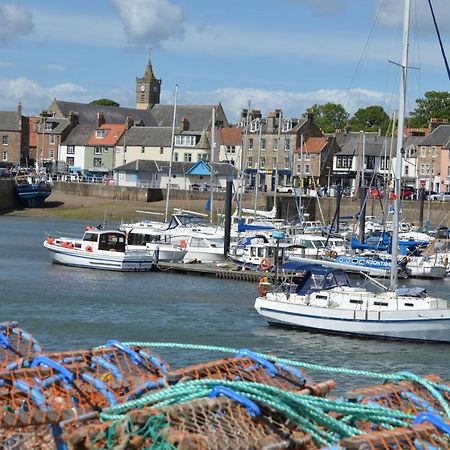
x=67, y=307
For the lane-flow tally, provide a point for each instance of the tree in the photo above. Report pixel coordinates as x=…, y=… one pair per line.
x=104, y=102
x=329, y=117
x=435, y=104
x=372, y=118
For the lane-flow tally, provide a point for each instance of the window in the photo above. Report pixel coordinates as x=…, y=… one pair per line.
x=274, y=162
x=406, y=169
x=5, y=139
x=286, y=144
x=97, y=162
x=51, y=153
x=299, y=168
x=307, y=156
x=423, y=152
x=99, y=134
x=344, y=162
x=231, y=149
x=70, y=160
x=385, y=163
x=71, y=149
x=4, y=155
x=188, y=157
x=370, y=162
x=422, y=169
x=250, y=161
x=250, y=144
x=307, y=168
x=275, y=144
x=262, y=162
x=286, y=163
x=175, y=156
x=51, y=139
x=97, y=150
x=161, y=150
x=263, y=144
x=48, y=126
x=185, y=141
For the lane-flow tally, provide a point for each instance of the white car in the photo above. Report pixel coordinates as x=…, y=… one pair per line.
x=288, y=189
x=441, y=197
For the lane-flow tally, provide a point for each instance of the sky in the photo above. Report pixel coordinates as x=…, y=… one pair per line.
x=287, y=54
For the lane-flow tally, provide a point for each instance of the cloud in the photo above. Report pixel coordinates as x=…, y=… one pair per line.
x=15, y=21
x=293, y=104
x=150, y=22
x=391, y=15
x=35, y=97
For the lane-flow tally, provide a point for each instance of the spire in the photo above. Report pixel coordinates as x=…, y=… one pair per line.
x=203, y=143
x=149, y=75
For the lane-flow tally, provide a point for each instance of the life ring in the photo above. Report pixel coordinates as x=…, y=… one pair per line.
x=263, y=286
x=88, y=248
x=332, y=254
x=50, y=240
x=183, y=244
x=265, y=264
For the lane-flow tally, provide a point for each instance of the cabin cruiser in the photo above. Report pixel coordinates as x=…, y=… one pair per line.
x=322, y=299
x=100, y=249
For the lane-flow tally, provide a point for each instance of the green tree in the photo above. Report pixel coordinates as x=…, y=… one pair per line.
x=329, y=116
x=104, y=102
x=372, y=118
x=435, y=104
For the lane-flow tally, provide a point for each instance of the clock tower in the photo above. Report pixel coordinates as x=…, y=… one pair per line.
x=148, y=89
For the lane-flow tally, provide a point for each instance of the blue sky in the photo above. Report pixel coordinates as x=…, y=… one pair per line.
x=285, y=54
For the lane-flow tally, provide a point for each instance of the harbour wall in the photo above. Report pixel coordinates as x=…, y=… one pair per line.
x=8, y=199
x=324, y=209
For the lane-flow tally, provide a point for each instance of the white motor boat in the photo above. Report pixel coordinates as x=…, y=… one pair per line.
x=99, y=249
x=321, y=299
x=156, y=241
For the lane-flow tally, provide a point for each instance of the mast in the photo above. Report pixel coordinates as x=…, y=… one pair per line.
x=258, y=163
x=213, y=145
x=172, y=144
x=276, y=160
x=398, y=155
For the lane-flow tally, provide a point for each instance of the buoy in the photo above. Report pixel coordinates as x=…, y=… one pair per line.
x=50, y=240
x=183, y=244
x=88, y=248
x=265, y=264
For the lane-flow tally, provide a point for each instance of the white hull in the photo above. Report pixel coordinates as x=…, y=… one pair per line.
x=162, y=252
x=101, y=259
x=423, y=325
x=204, y=254
x=425, y=271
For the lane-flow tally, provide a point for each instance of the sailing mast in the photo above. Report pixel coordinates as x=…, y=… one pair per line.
x=213, y=146
x=172, y=145
x=398, y=156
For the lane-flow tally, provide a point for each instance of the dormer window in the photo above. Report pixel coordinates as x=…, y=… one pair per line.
x=48, y=126
x=185, y=141
x=99, y=134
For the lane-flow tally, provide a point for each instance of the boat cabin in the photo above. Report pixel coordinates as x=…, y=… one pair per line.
x=105, y=240
x=143, y=237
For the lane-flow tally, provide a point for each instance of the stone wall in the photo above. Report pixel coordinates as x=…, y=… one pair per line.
x=8, y=199
x=439, y=212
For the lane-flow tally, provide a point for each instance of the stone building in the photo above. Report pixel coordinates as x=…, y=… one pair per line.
x=14, y=131
x=148, y=89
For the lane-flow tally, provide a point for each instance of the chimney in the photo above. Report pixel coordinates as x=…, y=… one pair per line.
x=129, y=122
x=271, y=121
x=19, y=110
x=100, y=119
x=73, y=118
x=184, y=124
x=435, y=122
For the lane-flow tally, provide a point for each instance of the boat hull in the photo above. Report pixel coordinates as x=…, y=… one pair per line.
x=417, y=325
x=104, y=260
x=204, y=255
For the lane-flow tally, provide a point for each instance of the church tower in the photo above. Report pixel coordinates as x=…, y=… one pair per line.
x=148, y=89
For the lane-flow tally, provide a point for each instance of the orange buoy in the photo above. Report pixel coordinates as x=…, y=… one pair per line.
x=88, y=248
x=265, y=264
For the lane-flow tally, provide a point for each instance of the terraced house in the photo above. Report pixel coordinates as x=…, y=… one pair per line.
x=14, y=132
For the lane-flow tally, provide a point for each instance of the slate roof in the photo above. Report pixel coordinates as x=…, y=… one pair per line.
x=80, y=135
x=9, y=121
x=87, y=113
x=148, y=136
x=57, y=124
x=439, y=136
x=353, y=144
x=178, y=167
x=199, y=116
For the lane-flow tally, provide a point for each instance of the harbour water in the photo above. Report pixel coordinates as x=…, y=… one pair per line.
x=67, y=307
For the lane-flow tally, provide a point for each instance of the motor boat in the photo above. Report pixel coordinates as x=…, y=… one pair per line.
x=321, y=299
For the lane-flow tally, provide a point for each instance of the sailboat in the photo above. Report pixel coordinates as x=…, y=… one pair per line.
x=321, y=299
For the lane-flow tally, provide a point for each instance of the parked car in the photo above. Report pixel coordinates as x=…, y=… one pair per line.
x=5, y=173
x=288, y=189
x=441, y=197
x=408, y=193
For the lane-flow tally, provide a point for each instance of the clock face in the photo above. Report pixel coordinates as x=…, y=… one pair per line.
x=142, y=88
